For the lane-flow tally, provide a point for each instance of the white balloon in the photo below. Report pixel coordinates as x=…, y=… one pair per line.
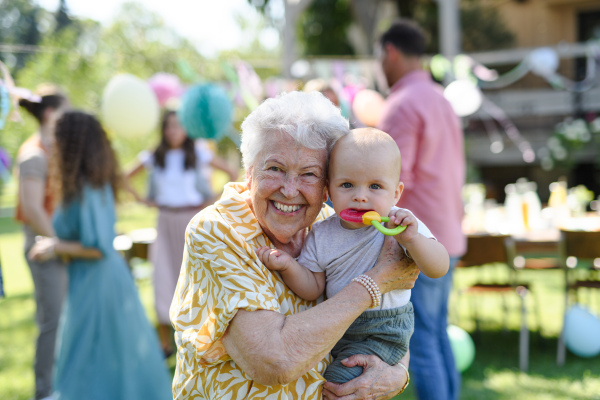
x=543, y=61
x=129, y=106
x=300, y=68
x=464, y=96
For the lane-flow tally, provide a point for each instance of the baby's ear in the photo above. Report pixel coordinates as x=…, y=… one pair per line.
x=399, y=190
x=325, y=191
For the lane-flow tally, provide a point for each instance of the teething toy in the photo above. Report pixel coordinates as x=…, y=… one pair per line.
x=370, y=218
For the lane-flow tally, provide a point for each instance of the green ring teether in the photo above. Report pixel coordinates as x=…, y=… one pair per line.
x=388, y=231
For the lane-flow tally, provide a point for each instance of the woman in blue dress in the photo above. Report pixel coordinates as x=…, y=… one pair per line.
x=106, y=347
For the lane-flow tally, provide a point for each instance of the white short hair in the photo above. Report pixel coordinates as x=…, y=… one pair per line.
x=310, y=118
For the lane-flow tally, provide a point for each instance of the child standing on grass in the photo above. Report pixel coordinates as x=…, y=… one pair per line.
x=179, y=188
x=364, y=175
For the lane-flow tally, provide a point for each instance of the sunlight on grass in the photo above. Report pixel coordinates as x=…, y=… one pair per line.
x=523, y=386
x=494, y=374
x=17, y=311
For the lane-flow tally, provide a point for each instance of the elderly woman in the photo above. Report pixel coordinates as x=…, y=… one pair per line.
x=240, y=332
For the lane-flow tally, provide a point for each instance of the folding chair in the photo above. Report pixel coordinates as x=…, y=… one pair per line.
x=488, y=249
x=580, y=259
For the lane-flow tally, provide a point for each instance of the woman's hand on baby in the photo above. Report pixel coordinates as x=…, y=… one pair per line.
x=273, y=259
x=404, y=217
x=393, y=269
x=378, y=380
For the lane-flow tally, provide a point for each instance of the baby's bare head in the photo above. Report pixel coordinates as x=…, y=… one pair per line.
x=371, y=146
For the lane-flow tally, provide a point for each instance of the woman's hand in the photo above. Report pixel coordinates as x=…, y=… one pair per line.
x=378, y=381
x=44, y=249
x=393, y=270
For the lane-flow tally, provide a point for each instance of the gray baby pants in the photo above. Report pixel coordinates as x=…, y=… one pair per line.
x=383, y=333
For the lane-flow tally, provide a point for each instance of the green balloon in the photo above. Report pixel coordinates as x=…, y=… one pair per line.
x=463, y=347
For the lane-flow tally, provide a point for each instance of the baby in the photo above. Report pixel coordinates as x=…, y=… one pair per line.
x=364, y=174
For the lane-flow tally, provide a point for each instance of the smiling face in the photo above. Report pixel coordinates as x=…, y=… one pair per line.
x=364, y=176
x=287, y=187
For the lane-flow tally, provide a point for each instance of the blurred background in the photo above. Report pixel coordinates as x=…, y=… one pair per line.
x=522, y=74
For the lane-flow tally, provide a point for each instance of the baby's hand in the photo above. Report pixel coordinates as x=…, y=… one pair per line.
x=405, y=218
x=275, y=260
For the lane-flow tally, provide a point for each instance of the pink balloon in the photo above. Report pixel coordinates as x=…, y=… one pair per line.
x=165, y=86
x=368, y=106
x=351, y=90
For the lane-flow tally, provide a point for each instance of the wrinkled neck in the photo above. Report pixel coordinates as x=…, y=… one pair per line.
x=294, y=246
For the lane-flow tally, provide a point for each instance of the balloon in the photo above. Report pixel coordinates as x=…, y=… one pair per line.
x=205, y=112
x=300, y=68
x=368, y=106
x=543, y=61
x=582, y=332
x=129, y=107
x=165, y=86
x=464, y=96
x=351, y=90
x=4, y=158
x=439, y=66
x=463, y=347
x=4, y=104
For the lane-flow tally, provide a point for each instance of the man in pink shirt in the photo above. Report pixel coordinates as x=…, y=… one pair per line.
x=430, y=139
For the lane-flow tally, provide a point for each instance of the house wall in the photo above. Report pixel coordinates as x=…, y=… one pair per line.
x=538, y=23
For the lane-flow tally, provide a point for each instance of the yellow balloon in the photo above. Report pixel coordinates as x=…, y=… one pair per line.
x=129, y=106
x=368, y=106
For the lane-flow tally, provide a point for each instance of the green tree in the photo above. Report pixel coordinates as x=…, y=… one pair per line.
x=19, y=25
x=482, y=29
x=323, y=28
x=62, y=16
x=84, y=56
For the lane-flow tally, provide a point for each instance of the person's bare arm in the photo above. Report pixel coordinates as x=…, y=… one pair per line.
x=305, y=283
x=276, y=349
x=430, y=255
x=32, y=192
x=50, y=247
x=135, y=170
x=221, y=164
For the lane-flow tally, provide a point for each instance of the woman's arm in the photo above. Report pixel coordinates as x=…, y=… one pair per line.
x=276, y=349
x=32, y=205
x=219, y=163
x=51, y=247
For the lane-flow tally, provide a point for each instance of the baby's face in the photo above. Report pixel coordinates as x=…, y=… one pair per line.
x=362, y=182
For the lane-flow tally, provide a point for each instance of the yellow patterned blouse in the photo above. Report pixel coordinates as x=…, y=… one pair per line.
x=221, y=274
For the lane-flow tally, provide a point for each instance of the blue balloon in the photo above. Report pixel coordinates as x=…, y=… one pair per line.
x=4, y=105
x=205, y=112
x=462, y=346
x=582, y=332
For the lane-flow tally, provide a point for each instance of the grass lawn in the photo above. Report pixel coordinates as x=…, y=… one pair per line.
x=494, y=373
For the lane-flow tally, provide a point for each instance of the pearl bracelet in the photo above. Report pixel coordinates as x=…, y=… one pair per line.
x=371, y=287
